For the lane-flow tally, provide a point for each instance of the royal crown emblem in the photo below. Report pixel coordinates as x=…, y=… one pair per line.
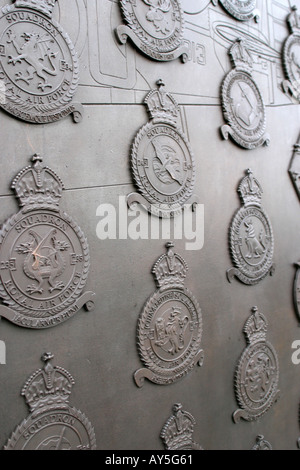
x=257, y=373
x=177, y=433
x=261, y=444
x=294, y=169
x=291, y=56
x=240, y=10
x=39, y=68
x=162, y=161
x=155, y=27
x=170, y=326
x=297, y=290
x=251, y=237
x=52, y=424
x=44, y=255
x=242, y=102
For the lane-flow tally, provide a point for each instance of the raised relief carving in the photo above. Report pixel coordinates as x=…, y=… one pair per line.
x=294, y=169
x=170, y=325
x=242, y=102
x=261, y=444
x=162, y=161
x=291, y=56
x=177, y=433
x=257, y=373
x=52, y=424
x=251, y=237
x=44, y=255
x=297, y=290
x=38, y=65
x=155, y=27
x=241, y=10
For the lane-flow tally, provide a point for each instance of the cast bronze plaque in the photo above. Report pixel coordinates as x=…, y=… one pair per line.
x=251, y=237
x=241, y=10
x=155, y=27
x=242, y=102
x=170, y=325
x=44, y=255
x=52, y=424
x=162, y=161
x=257, y=373
x=38, y=65
x=291, y=56
x=177, y=433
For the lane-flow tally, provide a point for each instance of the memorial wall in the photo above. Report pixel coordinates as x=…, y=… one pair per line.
x=149, y=211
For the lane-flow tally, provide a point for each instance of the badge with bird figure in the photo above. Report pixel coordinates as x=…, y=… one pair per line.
x=162, y=161
x=44, y=255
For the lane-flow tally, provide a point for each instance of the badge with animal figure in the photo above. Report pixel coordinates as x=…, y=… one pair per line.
x=39, y=69
x=291, y=56
x=44, y=255
x=155, y=27
x=251, y=236
x=162, y=161
x=242, y=102
x=297, y=290
x=241, y=10
x=257, y=373
x=177, y=433
x=52, y=424
x=170, y=326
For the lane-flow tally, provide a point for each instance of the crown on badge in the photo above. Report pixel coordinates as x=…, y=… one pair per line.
x=44, y=6
x=177, y=433
x=256, y=327
x=50, y=386
x=170, y=269
x=161, y=105
x=250, y=190
x=38, y=187
x=293, y=20
x=240, y=56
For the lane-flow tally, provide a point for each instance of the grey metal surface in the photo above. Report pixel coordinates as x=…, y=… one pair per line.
x=92, y=158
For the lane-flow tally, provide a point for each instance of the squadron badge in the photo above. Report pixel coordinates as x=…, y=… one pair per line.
x=257, y=374
x=242, y=102
x=242, y=10
x=297, y=291
x=251, y=236
x=39, y=69
x=52, y=424
x=44, y=255
x=291, y=56
x=177, y=433
x=162, y=161
x=155, y=27
x=170, y=326
x=294, y=169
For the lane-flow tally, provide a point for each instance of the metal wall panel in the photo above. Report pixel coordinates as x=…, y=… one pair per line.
x=99, y=348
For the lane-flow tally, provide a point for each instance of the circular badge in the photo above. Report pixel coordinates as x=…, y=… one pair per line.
x=163, y=166
x=257, y=379
x=59, y=429
x=169, y=333
x=157, y=26
x=242, y=10
x=252, y=244
x=244, y=109
x=38, y=67
x=44, y=263
x=291, y=60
